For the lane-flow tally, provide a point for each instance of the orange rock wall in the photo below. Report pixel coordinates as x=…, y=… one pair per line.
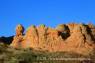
x=81, y=38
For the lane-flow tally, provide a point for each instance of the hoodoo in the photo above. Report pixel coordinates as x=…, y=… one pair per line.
x=78, y=38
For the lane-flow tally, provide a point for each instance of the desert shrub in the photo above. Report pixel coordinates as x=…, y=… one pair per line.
x=11, y=55
x=64, y=30
x=33, y=26
x=42, y=25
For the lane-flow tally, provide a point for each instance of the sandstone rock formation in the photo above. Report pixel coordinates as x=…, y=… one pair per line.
x=31, y=38
x=18, y=38
x=78, y=38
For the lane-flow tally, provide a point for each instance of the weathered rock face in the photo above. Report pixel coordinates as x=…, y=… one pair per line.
x=30, y=38
x=79, y=38
x=18, y=37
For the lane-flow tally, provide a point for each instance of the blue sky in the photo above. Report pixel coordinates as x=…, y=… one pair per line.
x=48, y=12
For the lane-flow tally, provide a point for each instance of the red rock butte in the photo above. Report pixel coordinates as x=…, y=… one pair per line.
x=78, y=38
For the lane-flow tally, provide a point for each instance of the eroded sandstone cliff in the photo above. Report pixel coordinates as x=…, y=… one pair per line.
x=78, y=38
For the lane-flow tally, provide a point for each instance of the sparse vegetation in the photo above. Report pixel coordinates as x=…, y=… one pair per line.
x=62, y=28
x=11, y=55
x=42, y=25
x=33, y=26
x=65, y=32
x=29, y=55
